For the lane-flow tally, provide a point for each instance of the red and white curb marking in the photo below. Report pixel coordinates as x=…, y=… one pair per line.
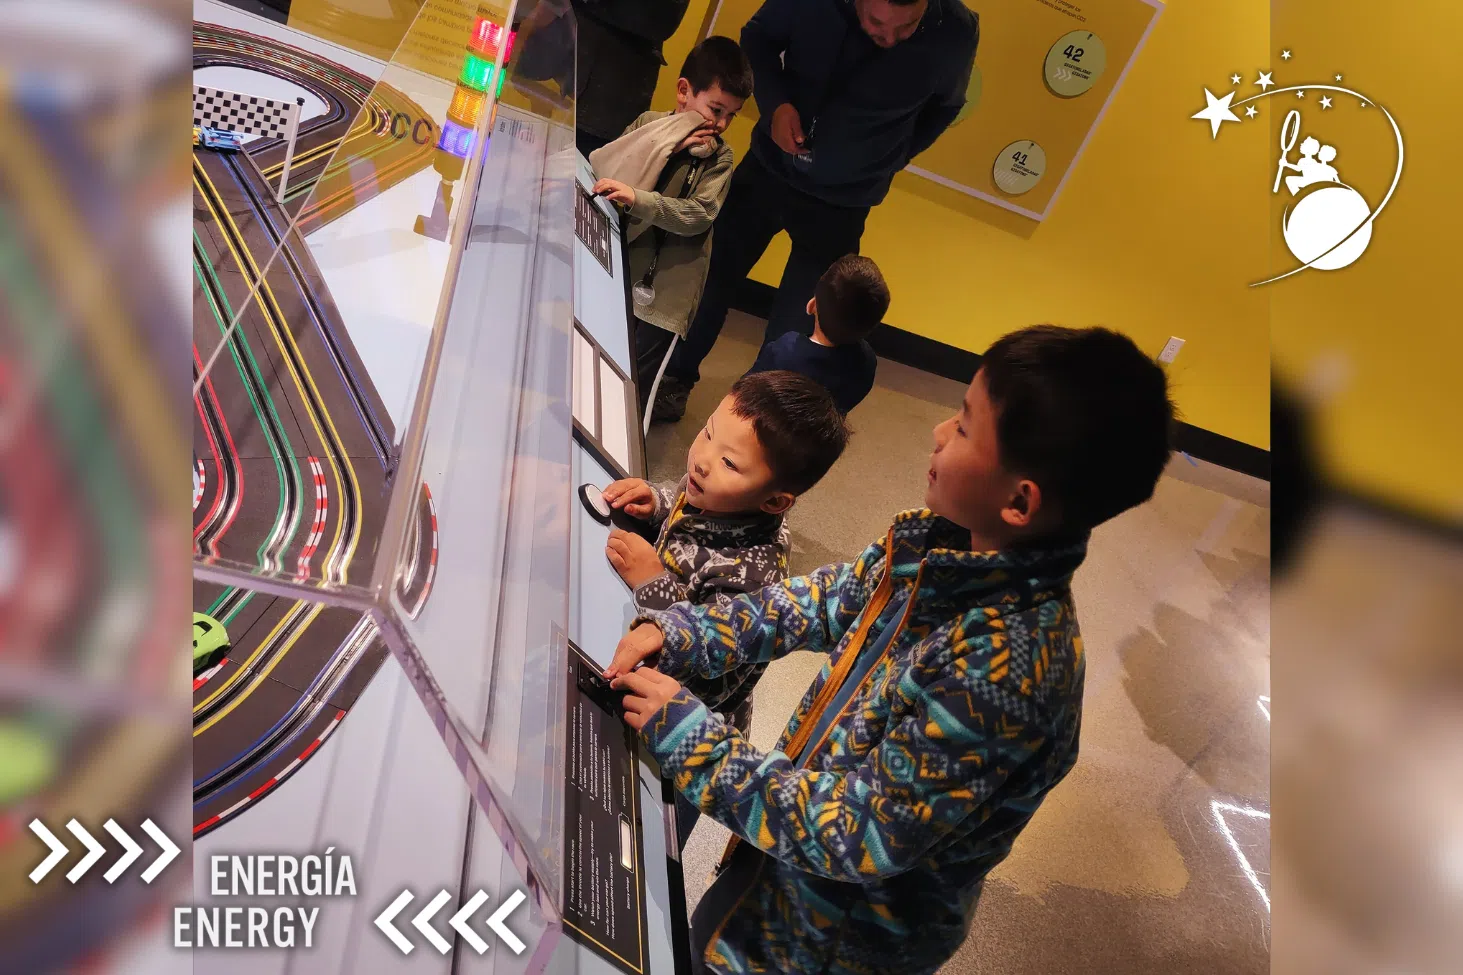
x=273, y=780
x=207, y=675
x=431, y=559
x=317, y=527
x=200, y=480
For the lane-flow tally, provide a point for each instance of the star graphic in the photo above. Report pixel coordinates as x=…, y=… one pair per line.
x=1338, y=77
x=1300, y=94
x=1363, y=103
x=1285, y=55
x=1216, y=112
x=1251, y=111
x=1325, y=102
x=1234, y=79
x=1265, y=80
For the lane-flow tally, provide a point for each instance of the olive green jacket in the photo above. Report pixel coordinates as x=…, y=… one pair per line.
x=686, y=217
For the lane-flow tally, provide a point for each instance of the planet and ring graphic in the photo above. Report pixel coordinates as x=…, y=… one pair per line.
x=1330, y=225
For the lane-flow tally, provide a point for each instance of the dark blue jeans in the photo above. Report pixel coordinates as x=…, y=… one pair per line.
x=758, y=205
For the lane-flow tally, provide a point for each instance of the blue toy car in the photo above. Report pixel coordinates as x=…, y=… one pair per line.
x=221, y=140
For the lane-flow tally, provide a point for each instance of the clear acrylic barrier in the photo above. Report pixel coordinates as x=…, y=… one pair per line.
x=329, y=304
x=386, y=410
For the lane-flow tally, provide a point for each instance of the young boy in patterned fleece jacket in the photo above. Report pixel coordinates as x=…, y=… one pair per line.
x=722, y=531
x=952, y=697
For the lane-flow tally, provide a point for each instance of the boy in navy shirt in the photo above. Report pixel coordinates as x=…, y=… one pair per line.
x=849, y=301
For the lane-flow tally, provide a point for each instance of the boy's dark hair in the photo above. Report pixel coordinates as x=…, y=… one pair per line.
x=796, y=422
x=1083, y=413
x=852, y=299
x=718, y=61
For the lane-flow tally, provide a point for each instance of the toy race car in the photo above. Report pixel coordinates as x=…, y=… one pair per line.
x=197, y=136
x=221, y=140
x=210, y=642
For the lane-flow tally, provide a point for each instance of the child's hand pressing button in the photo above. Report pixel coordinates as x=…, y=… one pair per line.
x=632, y=496
x=647, y=691
x=633, y=557
x=641, y=643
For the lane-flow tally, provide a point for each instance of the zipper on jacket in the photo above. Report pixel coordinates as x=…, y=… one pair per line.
x=871, y=613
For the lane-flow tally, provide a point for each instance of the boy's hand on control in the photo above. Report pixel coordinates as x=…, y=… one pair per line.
x=648, y=691
x=615, y=191
x=633, y=557
x=641, y=643
x=787, y=130
x=633, y=495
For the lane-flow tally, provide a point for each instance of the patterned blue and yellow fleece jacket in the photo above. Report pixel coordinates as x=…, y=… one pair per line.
x=878, y=834
x=711, y=559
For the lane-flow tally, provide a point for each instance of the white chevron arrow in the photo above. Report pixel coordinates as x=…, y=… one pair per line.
x=169, y=848
x=420, y=922
x=125, y=860
x=384, y=919
x=94, y=851
x=495, y=922
x=458, y=922
x=58, y=851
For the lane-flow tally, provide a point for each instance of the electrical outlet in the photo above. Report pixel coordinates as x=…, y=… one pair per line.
x=1171, y=350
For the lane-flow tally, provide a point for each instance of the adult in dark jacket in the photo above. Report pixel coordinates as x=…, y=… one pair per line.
x=619, y=61
x=848, y=92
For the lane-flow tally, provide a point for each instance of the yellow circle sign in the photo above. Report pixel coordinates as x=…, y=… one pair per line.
x=1019, y=167
x=1074, y=63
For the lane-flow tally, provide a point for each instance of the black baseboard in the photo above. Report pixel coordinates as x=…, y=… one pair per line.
x=928, y=355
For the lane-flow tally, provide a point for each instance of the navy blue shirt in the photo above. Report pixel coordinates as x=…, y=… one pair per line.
x=875, y=109
x=846, y=371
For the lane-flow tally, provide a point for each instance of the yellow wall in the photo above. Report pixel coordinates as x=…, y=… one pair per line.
x=1381, y=341
x=1158, y=232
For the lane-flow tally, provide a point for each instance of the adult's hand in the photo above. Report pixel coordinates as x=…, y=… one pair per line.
x=787, y=130
x=643, y=641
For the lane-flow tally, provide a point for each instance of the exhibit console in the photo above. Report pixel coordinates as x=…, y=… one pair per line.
x=412, y=348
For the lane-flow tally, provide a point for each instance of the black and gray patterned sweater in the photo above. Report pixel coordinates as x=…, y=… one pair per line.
x=710, y=560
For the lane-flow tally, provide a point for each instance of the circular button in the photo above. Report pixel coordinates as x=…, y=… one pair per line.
x=594, y=500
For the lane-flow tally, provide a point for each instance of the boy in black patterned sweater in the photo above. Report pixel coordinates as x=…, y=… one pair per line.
x=722, y=528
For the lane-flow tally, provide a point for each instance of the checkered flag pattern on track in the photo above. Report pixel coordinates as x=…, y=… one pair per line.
x=231, y=111
x=249, y=114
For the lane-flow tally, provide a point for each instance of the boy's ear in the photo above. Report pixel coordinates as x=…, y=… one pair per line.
x=778, y=503
x=683, y=92
x=1024, y=504
x=812, y=308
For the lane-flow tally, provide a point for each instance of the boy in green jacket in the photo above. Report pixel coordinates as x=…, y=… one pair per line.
x=952, y=697
x=668, y=263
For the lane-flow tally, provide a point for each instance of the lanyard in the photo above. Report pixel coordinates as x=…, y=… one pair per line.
x=648, y=280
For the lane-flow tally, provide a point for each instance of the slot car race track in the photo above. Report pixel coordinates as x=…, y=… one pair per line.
x=292, y=446
x=392, y=139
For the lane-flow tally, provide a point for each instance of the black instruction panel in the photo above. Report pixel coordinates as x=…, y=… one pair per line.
x=604, y=875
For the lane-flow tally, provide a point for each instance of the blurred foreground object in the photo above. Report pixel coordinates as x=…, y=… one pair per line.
x=94, y=692
x=1367, y=828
